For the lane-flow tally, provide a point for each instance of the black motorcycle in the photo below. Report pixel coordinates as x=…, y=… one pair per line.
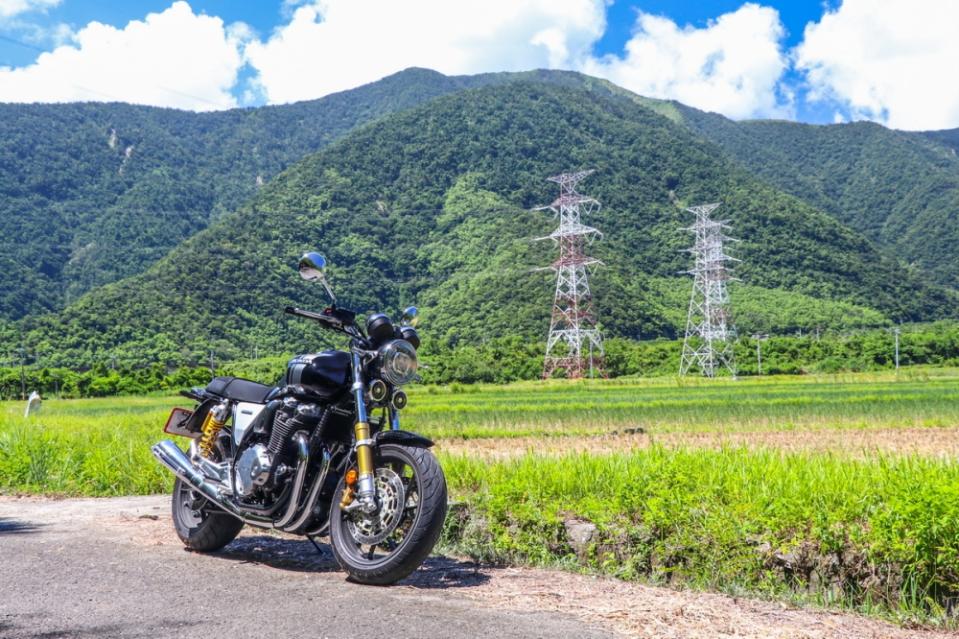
x=306, y=457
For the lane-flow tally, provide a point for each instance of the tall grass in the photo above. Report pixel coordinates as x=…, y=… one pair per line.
x=84, y=447
x=879, y=535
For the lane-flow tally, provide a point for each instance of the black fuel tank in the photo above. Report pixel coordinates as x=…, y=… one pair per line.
x=327, y=372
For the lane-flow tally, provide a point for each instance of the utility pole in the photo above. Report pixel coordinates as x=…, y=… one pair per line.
x=573, y=321
x=759, y=337
x=710, y=333
x=896, y=332
x=23, y=377
x=212, y=364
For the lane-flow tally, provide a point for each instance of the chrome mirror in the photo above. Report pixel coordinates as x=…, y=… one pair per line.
x=313, y=269
x=410, y=316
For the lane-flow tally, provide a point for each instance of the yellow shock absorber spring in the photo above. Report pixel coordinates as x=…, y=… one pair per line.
x=211, y=428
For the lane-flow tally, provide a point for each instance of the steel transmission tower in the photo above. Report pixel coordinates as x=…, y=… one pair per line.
x=574, y=345
x=709, y=328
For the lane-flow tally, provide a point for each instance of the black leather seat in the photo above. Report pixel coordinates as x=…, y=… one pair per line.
x=241, y=390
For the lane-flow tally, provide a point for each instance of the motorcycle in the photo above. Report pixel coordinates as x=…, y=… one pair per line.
x=306, y=457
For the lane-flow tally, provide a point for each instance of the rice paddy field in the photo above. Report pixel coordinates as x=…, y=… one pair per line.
x=837, y=491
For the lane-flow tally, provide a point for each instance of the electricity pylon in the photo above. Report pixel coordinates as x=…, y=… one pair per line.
x=574, y=344
x=710, y=332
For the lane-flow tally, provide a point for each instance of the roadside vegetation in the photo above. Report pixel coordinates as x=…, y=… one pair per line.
x=509, y=359
x=656, y=497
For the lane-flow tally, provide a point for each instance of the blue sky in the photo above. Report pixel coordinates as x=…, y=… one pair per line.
x=814, y=61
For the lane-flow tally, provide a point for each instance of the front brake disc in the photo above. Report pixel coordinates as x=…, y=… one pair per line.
x=372, y=528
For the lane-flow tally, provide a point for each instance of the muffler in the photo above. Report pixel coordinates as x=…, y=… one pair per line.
x=170, y=455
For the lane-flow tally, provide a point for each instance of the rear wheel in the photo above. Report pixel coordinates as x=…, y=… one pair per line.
x=200, y=525
x=383, y=547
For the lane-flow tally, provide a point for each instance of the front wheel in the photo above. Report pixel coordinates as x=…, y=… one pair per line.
x=383, y=547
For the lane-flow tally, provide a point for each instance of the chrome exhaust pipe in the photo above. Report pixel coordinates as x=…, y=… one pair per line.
x=170, y=455
x=313, y=496
x=302, y=462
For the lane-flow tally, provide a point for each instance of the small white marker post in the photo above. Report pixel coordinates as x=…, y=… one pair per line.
x=33, y=404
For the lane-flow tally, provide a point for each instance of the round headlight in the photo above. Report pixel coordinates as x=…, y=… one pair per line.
x=398, y=362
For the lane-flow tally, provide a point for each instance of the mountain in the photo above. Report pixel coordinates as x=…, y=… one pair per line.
x=432, y=205
x=899, y=189
x=948, y=138
x=92, y=192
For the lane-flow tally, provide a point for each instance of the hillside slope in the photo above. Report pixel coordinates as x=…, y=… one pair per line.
x=899, y=189
x=432, y=206
x=91, y=193
x=94, y=192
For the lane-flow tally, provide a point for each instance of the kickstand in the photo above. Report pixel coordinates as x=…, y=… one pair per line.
x=315, y=545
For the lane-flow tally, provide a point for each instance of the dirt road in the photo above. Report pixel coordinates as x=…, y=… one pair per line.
x=114, y=568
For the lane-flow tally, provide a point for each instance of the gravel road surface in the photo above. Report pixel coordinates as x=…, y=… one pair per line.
x=114, y=568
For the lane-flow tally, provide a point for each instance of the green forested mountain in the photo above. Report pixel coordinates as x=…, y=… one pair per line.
x=90, y=193
x=431, y=206
x=947, y=137
x=899, y=189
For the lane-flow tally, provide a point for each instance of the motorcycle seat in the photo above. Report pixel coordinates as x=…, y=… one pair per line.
x=238, y=389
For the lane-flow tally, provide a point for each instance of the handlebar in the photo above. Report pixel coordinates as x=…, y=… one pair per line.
x=329, y=320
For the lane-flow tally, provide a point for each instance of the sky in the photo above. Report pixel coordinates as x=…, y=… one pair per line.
x=820, y=61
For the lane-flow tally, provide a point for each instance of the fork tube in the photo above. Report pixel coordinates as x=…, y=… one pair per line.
x=364, y=449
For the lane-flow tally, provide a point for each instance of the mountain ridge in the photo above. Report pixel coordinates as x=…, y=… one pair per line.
x=406, y=205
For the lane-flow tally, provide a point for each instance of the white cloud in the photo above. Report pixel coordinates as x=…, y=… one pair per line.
x=175, y=58
x=10, y=8
x=332, y=45
x=894, y=61
x=889, y=60
x=733, y=65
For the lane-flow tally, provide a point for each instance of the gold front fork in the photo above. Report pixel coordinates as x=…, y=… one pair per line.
x=365, y=485
x=364, y=451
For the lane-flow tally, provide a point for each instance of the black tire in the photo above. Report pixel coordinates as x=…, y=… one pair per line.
x=199, y=525
x=420, y=529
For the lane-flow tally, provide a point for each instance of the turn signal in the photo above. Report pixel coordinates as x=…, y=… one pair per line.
x=351, y=477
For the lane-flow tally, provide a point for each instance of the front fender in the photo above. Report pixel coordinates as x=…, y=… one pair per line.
x=403, y=438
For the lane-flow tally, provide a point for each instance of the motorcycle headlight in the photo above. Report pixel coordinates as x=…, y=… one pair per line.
x=398, y=362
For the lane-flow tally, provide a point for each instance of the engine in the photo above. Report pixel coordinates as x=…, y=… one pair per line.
x=265, y=461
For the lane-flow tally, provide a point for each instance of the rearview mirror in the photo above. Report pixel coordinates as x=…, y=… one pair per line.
x=313, y=269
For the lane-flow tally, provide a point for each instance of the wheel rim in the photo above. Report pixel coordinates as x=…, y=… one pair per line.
x=191, y=506
x=359, y=547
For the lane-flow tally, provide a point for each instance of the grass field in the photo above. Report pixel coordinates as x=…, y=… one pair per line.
x=839, y=490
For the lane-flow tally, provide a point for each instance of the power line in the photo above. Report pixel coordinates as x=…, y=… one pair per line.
x=115, y=98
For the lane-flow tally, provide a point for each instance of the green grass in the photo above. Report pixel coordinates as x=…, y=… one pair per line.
x=878, y=534
x=101, y=446
x=84, y=447
x=919, y=397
